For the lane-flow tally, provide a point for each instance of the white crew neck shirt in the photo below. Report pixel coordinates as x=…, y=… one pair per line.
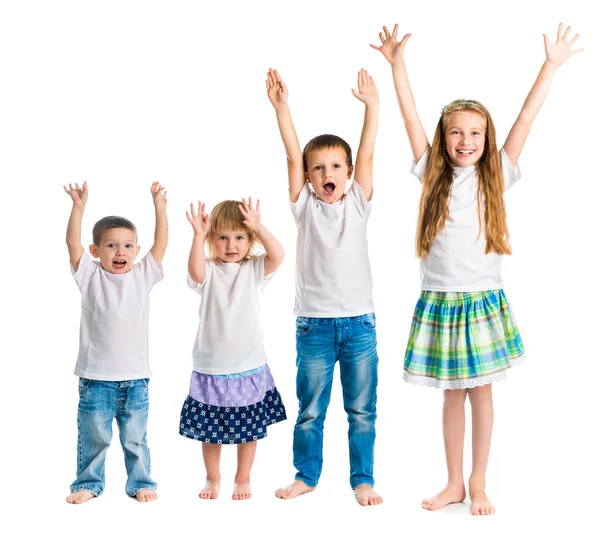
x=457, y=259
x=113, y=335
x=333, y=273
x=229, y=338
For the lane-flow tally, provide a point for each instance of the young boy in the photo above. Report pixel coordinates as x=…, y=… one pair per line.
x=334, y=305
x=113, y=365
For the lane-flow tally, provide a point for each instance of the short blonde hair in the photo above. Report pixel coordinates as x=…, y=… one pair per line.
x=227, y=215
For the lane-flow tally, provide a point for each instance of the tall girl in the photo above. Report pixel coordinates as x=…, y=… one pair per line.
x=232, y=397
x=463, y=334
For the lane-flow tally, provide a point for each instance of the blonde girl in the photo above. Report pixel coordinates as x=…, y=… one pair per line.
x=232, y=396
x=463, y=335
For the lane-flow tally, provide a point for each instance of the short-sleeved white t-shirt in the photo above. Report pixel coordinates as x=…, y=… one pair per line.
x=457, y=259
x=333, y=273
x=229, y=338
x=113, y=335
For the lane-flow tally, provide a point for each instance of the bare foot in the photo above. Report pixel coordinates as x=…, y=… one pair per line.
x=144, y=495
x=450, y=494
x=480, y=504
x=241, y=491
x=366, y=495
x=293, y=490
x=210, y=490
x=78, y=497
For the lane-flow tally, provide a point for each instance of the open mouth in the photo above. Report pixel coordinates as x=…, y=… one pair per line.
x=119, y=264
x=329, y=187
x=230, y=254
x=466, y=151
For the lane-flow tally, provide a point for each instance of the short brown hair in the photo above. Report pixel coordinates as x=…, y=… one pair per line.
x=111, y=222
x=325, y=141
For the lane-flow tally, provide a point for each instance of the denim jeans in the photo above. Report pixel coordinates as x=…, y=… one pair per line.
x=320, y=343
x=99, y=403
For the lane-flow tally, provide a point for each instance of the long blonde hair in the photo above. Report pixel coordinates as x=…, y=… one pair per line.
x=227, y=215
x=439, y=176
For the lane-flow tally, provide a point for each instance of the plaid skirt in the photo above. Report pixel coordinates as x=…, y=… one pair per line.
x=461, y=339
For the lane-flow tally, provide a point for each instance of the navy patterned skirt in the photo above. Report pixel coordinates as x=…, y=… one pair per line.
x=231, y=409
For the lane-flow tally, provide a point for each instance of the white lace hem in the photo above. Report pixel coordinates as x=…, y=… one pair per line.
x=460, y=383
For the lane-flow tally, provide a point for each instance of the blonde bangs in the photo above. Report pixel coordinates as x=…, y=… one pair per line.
x=227, y=215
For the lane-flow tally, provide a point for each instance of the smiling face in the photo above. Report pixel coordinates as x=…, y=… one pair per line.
x=327, y=172
x=116, y=250
x=465, y=138
x=231, y=245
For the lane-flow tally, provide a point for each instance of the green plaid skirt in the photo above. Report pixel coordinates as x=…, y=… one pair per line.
x=461, y=340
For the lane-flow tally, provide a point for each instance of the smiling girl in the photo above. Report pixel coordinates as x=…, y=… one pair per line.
x=463, y=335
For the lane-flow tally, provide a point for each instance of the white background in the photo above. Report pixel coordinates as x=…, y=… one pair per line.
x=124, y=93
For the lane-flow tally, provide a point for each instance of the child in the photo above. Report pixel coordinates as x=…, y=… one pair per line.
x=113, y=365
x=334, y=305
x=232, y=394
x=463, y=335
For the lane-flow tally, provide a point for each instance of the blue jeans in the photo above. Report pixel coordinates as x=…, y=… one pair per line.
x=320, y=342
x=99, y=403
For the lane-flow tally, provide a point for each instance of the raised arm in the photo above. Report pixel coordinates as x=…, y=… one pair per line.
x=161, y=229
x=200, y=222
x=274, y=250
x=79, y=196
x=368, y=94
x=394, y=54
x=556, y=54
x=278, y=95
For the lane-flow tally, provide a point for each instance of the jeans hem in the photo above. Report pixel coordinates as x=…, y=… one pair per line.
x=305, y=480
x=140, y=489
x=362, y=481
x=95, y=492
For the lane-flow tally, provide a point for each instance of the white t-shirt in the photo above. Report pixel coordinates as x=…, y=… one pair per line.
x=113, y=336
x=229, y=338
x=333, y=273
x=457, y=259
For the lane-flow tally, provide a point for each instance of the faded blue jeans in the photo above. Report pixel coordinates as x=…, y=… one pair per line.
x=320, y=343
x=99, y=402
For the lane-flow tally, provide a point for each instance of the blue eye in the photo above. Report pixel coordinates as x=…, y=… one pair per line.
x=318, y=168
x=111, y=245
x=337, y=165
x=128, y=246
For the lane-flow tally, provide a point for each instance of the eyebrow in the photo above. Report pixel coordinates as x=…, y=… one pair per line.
x=471, y=128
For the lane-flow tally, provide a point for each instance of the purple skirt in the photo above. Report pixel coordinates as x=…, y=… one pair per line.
x=231, y=409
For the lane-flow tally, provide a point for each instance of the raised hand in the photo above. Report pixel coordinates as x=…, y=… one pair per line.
x=199, y=219
x=390, y=47
x=276, y=89
x=557, y=53
x=367, y=91
x=159, y=195
x=251, y=215
x=79, y=194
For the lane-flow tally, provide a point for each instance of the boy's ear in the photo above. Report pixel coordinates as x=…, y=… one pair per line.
x=137, y=250
x=94, y=251
x=306, y=179
x=350, y=171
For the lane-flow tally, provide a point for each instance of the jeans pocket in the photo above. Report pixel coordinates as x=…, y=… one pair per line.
x=368, y=322
x=84, y=384
x=146, y=383
x=303, y=326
